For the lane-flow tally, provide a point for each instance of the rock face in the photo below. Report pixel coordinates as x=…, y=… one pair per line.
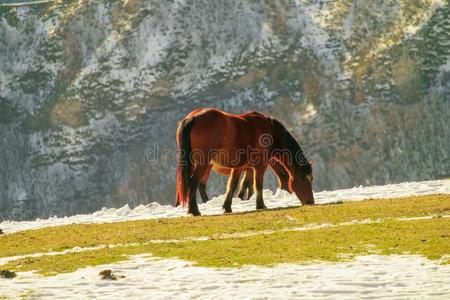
x=91, y=92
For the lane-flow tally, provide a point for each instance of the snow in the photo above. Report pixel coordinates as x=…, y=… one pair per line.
x=146, y=277
x=25, y=3
x=214, y=206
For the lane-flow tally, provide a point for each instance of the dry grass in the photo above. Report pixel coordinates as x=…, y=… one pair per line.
x=85, y=235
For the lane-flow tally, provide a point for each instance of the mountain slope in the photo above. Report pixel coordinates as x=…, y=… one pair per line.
x=88, y=88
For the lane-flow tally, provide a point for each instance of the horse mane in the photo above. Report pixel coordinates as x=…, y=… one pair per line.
x=257, y=113
x=288, y=141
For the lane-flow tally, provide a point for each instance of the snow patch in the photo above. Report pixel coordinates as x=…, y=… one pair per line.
x=373, y=276
x=214, y=206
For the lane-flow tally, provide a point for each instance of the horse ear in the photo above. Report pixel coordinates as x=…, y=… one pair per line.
x=312, y=162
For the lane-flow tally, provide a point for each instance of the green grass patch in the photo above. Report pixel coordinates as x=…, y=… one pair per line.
x=66, y=263
x=429, y=238
x=87, y=235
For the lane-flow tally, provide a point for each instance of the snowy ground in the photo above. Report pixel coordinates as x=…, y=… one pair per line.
x=368, y=277
x=146, y=277
x=279, y=199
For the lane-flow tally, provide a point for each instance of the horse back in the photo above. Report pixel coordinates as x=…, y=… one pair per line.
x=216, y=125
x=231, y=133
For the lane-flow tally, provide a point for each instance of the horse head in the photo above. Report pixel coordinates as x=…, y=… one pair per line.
x=301, y=184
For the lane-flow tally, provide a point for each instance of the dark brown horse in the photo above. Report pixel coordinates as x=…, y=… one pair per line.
x=208, y=137
x=246, y=187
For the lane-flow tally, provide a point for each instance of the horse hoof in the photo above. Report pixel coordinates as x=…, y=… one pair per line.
x=227, y=210
x=261, y=207
x=195, y=213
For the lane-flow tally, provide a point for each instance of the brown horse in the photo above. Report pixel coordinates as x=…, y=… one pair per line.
x=208, y=137
x=246, y=187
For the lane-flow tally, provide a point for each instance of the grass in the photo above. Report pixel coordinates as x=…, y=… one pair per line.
x=87, y=235
x=429, y=237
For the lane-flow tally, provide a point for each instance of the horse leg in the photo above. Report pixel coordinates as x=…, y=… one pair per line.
x=195, y=181
x=192, y=205
x=242, y=189
x=202, y=185
x=250, y=190
x=282, y=174
x=231, y=187
x=250, y=179
x=202, y=191
x=285, y=185
x=283, y=181
x=177, y=200
x=245, y=184
x=258, y=186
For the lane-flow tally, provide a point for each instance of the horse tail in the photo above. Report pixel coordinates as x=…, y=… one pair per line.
x=184, y=161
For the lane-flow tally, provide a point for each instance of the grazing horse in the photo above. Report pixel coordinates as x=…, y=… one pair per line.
x=208, y=137
x=247, y=182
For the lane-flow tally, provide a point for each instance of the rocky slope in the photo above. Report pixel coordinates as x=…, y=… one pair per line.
x=88, y=88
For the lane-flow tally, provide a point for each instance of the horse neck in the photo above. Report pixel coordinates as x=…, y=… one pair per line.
x=289, y=162
x=290, y=150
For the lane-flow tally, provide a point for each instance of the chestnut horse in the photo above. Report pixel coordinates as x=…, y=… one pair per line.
x=208, y=137
x=246, y=187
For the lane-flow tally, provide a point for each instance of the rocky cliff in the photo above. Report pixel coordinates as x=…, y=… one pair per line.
x=88, y=88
